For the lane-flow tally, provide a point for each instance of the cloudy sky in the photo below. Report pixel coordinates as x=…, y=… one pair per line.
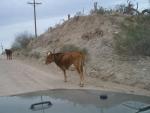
x=16, y=16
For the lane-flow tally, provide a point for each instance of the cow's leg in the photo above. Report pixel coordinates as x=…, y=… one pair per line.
x=65, y=76
x=7, y=57
x=11, y=57
x=80, y=71
x=81, y=74
x=82, y=79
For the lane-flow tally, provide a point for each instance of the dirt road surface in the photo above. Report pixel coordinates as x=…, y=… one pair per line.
x=21, y=77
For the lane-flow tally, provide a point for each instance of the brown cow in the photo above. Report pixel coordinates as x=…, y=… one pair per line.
x=8, y=54
x=65, y=60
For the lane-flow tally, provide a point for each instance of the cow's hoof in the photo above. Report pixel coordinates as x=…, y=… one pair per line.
x=81, y=85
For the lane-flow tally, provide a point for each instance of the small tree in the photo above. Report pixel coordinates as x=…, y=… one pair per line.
x=95, y=6
x=120, y=8
x=130, y=8
x=21, y=41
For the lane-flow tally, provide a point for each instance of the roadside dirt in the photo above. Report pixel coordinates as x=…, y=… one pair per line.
x=22, y=76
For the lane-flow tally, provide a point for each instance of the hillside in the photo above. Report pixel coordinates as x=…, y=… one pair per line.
x=95, y=33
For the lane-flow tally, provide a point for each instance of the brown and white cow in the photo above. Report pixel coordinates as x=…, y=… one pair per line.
x=65, y=60
x=8, y=54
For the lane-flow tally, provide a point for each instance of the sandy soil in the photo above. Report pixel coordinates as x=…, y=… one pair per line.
x=22, y=76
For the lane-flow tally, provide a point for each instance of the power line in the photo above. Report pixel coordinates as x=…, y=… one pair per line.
x=34, y=3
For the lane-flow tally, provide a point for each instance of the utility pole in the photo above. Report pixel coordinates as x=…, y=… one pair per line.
x=34, y=3
x=2, y=47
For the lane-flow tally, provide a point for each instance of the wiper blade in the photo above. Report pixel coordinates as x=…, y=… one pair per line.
x=143, y=109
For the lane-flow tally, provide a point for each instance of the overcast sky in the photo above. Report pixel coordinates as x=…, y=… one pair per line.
x=16, y=16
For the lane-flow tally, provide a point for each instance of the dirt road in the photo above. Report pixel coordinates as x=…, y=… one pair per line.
x=19, y=77
x=16, y=77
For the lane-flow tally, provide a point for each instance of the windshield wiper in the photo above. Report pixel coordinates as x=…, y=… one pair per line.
x=143, y=109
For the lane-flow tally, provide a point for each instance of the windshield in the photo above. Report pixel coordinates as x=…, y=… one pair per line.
x=89, y=48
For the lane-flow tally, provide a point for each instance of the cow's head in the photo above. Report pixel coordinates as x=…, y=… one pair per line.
x=49, y=58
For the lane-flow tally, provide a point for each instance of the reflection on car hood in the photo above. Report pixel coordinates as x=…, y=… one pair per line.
x=74, y=101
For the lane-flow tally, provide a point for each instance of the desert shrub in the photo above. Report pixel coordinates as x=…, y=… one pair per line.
x=87, y=36
x=128, y=8
x=146, y=12
x=15, y=46
x=71, y=47
x=100, y=10
x=25, y=53
x=97, y=10
x=90, y=35
x=134, y=38
x=35, y=55
x=120, y=8
x=21, y=41
x=79, y=13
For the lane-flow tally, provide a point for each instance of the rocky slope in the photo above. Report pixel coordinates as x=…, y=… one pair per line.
x=95, y=34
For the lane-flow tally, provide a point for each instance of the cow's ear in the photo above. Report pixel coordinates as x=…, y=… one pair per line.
x=49, y=53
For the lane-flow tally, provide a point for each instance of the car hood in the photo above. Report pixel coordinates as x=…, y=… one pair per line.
x=74, y=101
